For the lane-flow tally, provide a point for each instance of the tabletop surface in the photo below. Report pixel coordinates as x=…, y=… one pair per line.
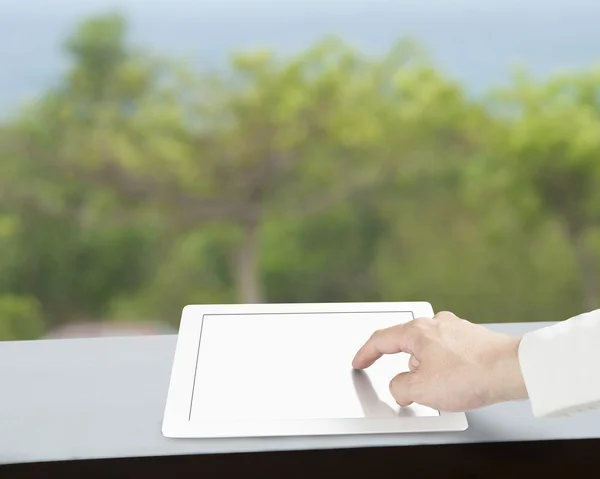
x=104, y=398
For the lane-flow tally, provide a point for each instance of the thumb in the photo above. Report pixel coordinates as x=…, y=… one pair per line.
x=401, y=388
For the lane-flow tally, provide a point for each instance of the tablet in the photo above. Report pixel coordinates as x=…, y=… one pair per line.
x=285, y=370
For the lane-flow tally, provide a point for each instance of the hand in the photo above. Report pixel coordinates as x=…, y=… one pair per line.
x=455, y=365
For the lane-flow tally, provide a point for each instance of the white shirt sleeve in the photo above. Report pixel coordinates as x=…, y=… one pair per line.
x=561, y=366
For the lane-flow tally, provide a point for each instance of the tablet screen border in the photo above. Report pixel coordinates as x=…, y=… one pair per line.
x=176, y=420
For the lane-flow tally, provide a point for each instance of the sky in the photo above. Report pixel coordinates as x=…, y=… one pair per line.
x=476, y=41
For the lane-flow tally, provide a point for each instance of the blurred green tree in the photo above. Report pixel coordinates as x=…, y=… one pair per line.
x=140, y=184
x=271, y=137
x=20, y=318
x=71, y=246
x=548, y=159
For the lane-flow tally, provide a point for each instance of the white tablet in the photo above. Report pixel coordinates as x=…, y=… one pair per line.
x=285, y=370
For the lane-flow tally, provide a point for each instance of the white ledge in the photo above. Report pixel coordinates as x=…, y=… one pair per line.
x=104, y=398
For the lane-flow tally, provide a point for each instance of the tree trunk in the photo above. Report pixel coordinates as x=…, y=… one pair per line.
x=246, y=265
x=586, y=267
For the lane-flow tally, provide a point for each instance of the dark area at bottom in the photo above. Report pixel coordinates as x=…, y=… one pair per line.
x=489, y=460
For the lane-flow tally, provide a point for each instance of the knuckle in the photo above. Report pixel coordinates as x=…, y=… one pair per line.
x=445, y=315
x=421, y=326
x=376, y=334
x=418, y=330
x=418, y=323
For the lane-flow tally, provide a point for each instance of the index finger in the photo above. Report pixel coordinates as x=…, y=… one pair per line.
x=395, y=339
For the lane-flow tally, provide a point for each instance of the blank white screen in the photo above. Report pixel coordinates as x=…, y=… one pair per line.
x=294, y=366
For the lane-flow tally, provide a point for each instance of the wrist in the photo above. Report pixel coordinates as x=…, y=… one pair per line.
x=507, y=383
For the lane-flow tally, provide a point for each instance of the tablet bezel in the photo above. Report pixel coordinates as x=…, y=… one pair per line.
x=176, y=420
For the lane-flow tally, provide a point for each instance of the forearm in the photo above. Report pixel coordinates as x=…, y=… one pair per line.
x=561, y=366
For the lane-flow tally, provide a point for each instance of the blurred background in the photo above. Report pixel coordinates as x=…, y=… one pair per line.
x=159, y=153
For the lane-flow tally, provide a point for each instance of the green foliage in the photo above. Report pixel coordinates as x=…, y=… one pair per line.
x=20, y=318
x=139, y=185
x=553, y=144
